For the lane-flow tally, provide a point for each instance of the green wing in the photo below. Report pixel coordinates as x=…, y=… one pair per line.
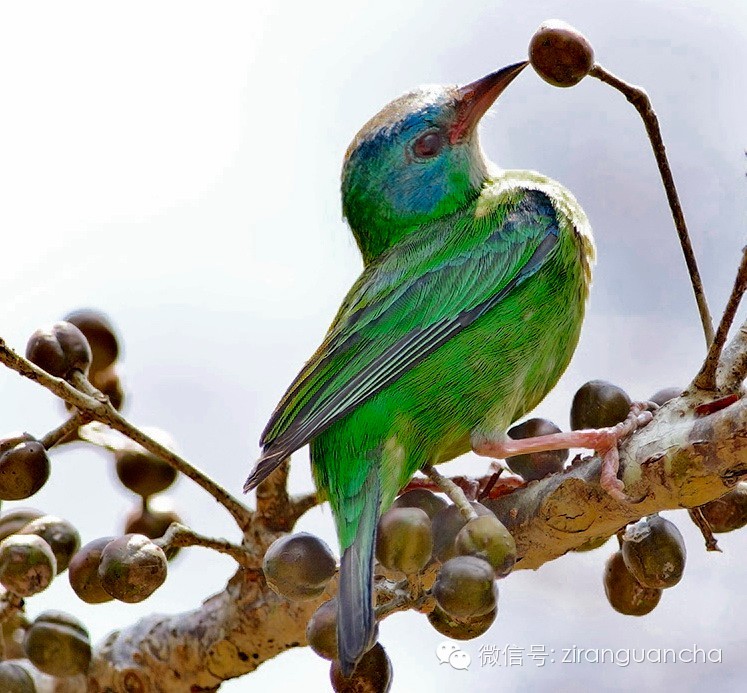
x=423, y=292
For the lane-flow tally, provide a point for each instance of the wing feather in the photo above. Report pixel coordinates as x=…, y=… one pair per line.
x=406, y=306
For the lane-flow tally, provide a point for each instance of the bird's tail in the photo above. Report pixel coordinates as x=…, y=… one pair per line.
x=356, y=623
x=265, y=465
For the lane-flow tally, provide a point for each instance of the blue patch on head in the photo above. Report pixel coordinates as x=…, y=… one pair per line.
x=405, y=129
x=386, y=188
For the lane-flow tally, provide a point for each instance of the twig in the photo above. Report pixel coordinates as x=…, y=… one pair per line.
x=177, y=535
x=80, y=381
x=452, y=491
x=474, y=487
x=273, y=500
x=411, y=593
x=470, y=485
x=700, y=521
x=485, y=493
x=400, y=602
x=301, y=504
x=239, y=512
x=733, y=367
x=10, y=605
x=99, y=409
x=706, y=378
x=72, y=424
x=642, y=104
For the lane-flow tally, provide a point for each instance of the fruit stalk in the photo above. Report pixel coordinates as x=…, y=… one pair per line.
x=105, y=413
x=452, y=491
x=178, y=535
x=706, y=378
x=639, y=99
x=70, y=425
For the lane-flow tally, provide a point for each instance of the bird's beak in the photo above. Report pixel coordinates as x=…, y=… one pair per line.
x=476, y=98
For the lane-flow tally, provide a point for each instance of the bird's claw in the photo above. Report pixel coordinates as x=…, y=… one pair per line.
x=639, y=416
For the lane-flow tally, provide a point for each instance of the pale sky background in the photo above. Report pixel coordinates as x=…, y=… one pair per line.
x=177, y=165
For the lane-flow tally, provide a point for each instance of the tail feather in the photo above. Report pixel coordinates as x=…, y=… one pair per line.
x=263, y=468
x=356, y=623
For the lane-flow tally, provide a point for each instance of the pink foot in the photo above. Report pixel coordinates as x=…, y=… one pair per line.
x=602, y=440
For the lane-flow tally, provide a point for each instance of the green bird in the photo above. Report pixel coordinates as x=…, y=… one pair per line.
x=466, y=314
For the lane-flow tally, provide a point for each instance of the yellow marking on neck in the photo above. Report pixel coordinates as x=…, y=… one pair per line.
x=506, y=187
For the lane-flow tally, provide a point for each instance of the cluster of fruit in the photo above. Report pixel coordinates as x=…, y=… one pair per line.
x=36, y=547
x=651, y=558
x=86, y=342
x=422, y=539
x=652, y=552
x=422, y=530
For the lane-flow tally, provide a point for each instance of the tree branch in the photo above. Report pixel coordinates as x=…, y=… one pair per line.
x=301, y=504
x=733, y=367
x=273, y=500
x=66, y=428
x=97, y=407
x=706, y=378
x=639, y=99
x=179, y=536
x=678, y=461
x=230, y=635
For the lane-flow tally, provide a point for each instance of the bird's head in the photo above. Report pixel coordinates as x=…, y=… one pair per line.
x=417, y=159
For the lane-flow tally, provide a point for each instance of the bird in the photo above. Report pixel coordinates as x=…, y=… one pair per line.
x=468, y=310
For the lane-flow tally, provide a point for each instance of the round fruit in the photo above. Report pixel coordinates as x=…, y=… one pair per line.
x=321, y=630
x=560, y=54
x=61, y=536
x=10, y=441
x=661, y=397
x=460, y=629
x=404, y=540
x=373, y=674
x=83, y=572
x=724, y=514
x=15, y=679
x=27, y=564
x=599, y=404
x=486, y=537
x=654, y=552
x=59, y=350
x=14, y=520
x=465, y=587
x=298, y=566
x=109, y=384
x=536, y=465
x=446, y=525
x=58, y=644
x=132, y=567
x=24, y=469
x=624, y=592
x=421, y=498
x=100, y=334
x=142, y=472
x=152, y=523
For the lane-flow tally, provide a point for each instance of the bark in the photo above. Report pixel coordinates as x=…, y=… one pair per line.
x=680, y=460
x=693, y=451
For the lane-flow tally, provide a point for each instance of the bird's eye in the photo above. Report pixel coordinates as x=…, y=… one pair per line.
x=427, y=145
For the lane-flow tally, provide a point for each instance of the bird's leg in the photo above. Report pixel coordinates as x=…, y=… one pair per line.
x=602, y=440
x=453, y=491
